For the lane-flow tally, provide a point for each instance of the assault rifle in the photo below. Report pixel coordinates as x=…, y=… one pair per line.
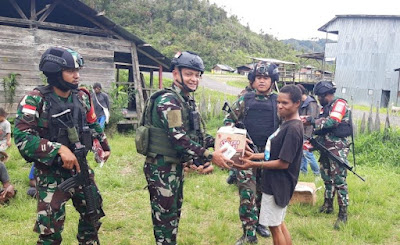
x=239, y=124
x=89, y=190
x=323, y=150
x=81, y=179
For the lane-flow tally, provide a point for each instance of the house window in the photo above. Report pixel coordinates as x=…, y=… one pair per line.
x=370, y=92
x=343, y=90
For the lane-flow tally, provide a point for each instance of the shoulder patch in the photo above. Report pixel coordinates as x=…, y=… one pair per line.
x=174, y=118
x=338, y=110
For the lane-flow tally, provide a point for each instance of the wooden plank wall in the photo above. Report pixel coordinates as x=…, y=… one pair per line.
x=21, y=49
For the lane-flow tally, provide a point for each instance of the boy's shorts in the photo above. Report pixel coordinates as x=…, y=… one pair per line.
x=270, y=213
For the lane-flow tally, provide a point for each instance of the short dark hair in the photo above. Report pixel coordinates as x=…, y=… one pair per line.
x=302, y=88
x=3, y=112
x=293, y=91
x=96, y=85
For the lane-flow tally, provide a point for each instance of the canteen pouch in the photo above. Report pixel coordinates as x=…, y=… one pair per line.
x=142, y=140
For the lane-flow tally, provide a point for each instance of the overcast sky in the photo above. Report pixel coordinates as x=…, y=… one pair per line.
x=300, y=19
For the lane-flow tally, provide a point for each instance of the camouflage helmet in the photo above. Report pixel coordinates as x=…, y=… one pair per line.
x=324, y=87
x=264, y=69
x=55, y=59
x=189, y=60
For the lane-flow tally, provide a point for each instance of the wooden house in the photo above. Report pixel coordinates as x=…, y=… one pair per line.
x=29, y=27
x=222, y=69
x=245, y=69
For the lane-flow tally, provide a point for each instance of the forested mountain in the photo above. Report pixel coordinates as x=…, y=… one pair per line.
x=195, y=25
x=307, y=46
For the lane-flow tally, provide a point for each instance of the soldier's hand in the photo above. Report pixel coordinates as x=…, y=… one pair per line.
x=220, y=160
x=68, y=158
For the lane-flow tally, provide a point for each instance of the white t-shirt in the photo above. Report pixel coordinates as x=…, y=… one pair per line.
x=5, y=128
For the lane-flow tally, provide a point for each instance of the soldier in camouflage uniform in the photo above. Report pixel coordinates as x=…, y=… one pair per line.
x=333, y=128
x=256, y=111
x=40, y=135
x=175, y=136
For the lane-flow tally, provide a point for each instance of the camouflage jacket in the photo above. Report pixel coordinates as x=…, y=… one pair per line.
x=338, y=112
x=31, y=126
x=167, y=114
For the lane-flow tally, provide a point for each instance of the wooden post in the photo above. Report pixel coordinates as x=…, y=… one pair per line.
x=151, y=80
x=362, y=126
x=160, y=81
x=377, y=119
x=33, y=10
x=136, y=80
x=370, y=123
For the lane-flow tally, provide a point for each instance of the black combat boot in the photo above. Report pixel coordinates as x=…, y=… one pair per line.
x=342, y=217
x=247, y=240
x=327, y=207
x=263, y=231
x=232, y=179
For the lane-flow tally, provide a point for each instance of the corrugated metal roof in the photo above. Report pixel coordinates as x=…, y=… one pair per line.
x=275, y=61
x=323, y=28
x=315, y=56
x=224, y=67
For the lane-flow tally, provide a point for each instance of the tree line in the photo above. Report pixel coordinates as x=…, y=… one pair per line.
x=173, y=25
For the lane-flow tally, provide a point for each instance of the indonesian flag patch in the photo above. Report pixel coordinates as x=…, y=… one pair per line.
x=29, y=109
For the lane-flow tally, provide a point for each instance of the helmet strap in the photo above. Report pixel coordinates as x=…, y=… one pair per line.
x=182, y=83
x=57, y=81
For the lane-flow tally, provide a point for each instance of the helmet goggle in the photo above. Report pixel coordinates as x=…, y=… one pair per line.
x=262, y=70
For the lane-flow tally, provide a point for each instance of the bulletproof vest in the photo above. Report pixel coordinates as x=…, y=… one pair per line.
x=343, y=129
x=55, y=128
x=259, y=117
x=158, y=139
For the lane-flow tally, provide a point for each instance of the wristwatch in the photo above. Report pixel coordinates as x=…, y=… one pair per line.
x=209, y=157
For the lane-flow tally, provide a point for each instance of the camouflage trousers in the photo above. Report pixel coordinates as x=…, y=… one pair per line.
x=249, y=183
x=334, y=176
x=51, y=208
x=165, y=185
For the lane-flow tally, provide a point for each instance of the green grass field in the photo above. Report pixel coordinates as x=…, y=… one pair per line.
x=210, y=209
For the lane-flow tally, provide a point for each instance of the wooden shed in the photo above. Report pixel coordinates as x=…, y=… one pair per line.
x=29, y=27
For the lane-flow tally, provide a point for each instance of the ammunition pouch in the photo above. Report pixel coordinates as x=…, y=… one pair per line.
x=194, y=120
x=142, y=139
x=151, y=141
x=86, y=138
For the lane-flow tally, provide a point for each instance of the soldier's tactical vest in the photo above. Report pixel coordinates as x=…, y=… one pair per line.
x=260, y=117
x=57, y=116
x=343, y=129
x=152, y=141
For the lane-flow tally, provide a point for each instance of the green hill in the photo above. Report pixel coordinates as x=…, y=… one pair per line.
x=306, y=46
x=194, y=25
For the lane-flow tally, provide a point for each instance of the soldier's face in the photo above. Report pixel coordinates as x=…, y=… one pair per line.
x=322, y=100
x=262, y=84
x=286, y=107
x=71, y=76
x=191, y=78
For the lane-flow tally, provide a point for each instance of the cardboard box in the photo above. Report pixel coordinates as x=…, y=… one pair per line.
x=304, y=192
x=236, y=137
